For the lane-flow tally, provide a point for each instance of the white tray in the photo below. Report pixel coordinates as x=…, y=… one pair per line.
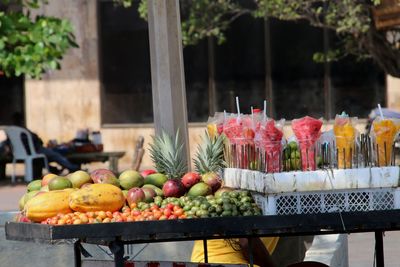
x=299, y=181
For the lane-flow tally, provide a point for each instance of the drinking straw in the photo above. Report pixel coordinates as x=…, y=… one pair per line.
x=380, y=111
x=237, y=107
x=265, y=110
x=252, y=115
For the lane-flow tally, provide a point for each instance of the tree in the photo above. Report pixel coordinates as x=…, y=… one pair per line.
x=351, y=20
x=31, y=46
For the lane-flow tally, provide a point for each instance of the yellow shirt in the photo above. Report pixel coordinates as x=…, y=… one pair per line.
x=221, y=251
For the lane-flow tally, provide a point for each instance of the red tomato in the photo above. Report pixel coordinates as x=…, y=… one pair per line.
x=178, y=212
x=167, y=212
x=163, y=217
x=172, y=217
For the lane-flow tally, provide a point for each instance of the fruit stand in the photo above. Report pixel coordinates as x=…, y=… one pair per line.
x=248, y=182
x=115, y=235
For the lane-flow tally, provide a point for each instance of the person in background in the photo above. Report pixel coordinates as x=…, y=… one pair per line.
x=52, y=155
x=235, y=251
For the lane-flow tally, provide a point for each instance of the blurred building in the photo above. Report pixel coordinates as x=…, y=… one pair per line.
x=106, y=84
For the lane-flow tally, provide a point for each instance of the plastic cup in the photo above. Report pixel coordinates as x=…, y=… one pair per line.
x=345, y=144
x=308, y=150
x=385, y=131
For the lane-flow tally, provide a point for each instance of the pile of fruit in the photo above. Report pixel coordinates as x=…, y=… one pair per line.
x=168, y=193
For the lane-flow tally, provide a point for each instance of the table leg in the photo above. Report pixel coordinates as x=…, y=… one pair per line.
x=251, y=258
x=2, y=170
x=117, y=248
x=205, y=251
x=77, y=254
x=379, y=249
x=113, y=165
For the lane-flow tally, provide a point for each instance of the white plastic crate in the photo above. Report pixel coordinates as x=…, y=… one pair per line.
x=329, y=201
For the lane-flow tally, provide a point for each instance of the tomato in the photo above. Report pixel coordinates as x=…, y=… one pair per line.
x=170, y=206
x=172, y=217
x=157, y=214
x=102, y=214
x=135, y=212
x=163, y=217
x=139, y=218
x=167, y=212
x=83, y=218
x=126, y=209
x=154, y=207
x=178, y=212
x=183, y=216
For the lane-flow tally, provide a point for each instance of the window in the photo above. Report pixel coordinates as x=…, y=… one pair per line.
x=125, y=65
x=261, y=60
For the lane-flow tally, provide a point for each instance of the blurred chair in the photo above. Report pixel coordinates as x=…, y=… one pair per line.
x=21, y=153
x=138, y=154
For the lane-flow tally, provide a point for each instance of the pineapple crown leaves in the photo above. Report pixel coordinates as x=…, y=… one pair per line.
x=166, y=153
x=210, y=154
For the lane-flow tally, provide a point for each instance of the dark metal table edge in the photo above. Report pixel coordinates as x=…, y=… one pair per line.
x=209, y=228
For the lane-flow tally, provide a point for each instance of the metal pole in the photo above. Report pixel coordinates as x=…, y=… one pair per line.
x=251, y=257
x=379, y=249
x=205, y=251
x=269, y=93
x=77, y=254
x=212, y=94
x=167, y=70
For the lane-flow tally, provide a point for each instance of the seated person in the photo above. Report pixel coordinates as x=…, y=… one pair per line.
x=235, y=251
x=51, y=154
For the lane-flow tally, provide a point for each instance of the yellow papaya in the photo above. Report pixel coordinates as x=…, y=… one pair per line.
x=97, y=197
x=47, y=204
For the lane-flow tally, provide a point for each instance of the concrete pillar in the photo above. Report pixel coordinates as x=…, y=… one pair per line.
x=393, y=92
x=167, y=73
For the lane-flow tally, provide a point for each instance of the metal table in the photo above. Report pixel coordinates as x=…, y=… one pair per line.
x=115, y=235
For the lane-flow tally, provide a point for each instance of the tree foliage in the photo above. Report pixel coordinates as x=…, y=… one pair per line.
x=31, y=46
x=350, y=20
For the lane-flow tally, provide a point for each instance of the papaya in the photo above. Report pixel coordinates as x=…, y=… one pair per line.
x=47, y=204
x=97, y=197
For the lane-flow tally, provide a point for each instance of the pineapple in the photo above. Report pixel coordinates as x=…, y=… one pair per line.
x=210, y=154
x=166, y=154
x=210, y=160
